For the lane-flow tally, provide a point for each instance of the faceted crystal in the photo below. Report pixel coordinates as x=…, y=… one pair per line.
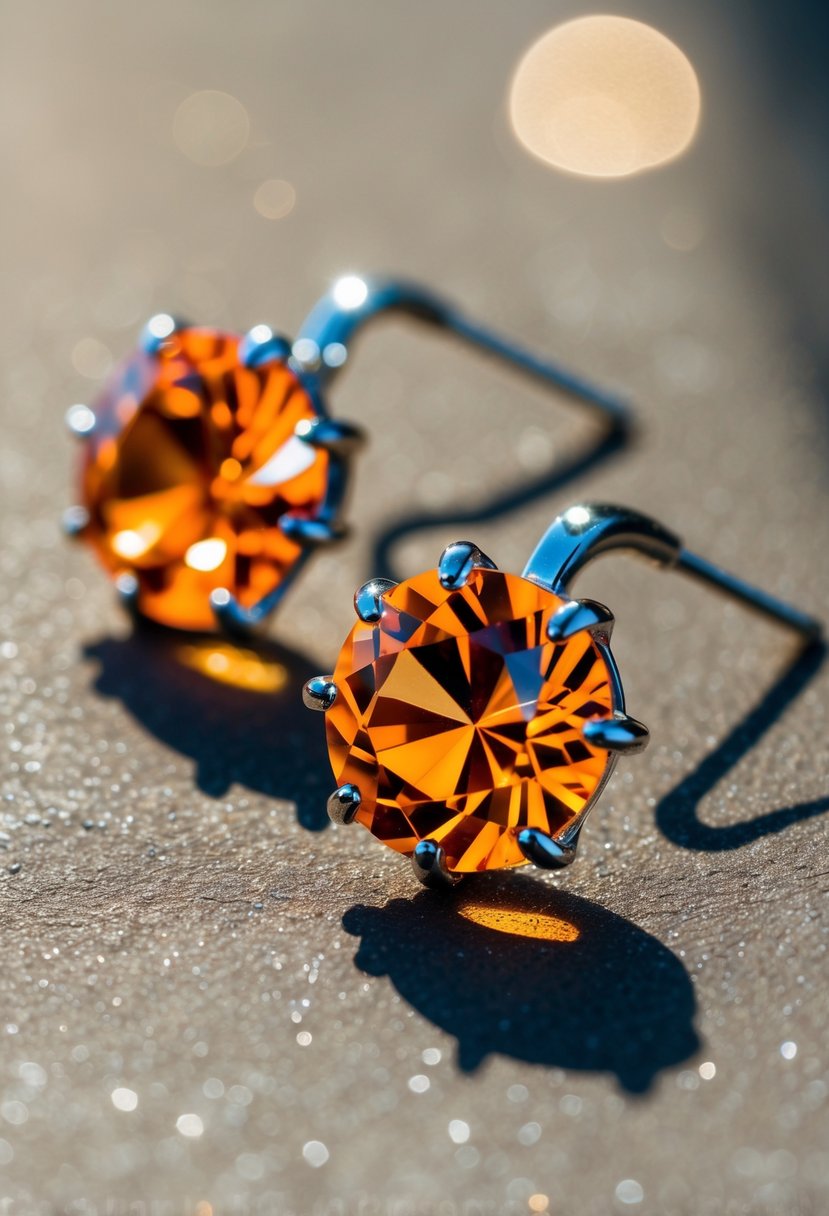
x=459, y=722
x=192, y=464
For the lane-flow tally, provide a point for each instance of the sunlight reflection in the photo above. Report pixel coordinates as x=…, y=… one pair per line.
x=604, y=96
x=235, y=665
x=520, y=923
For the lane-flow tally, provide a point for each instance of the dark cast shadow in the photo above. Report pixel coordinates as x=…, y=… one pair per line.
x=235, y=710
x=511, y=499
x=677, y=814
x=516, y=968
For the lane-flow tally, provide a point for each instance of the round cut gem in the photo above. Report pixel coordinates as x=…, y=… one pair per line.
x=192, y=463
x=460, y=722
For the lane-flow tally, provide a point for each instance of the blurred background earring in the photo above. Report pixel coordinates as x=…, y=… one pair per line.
x=211, y=469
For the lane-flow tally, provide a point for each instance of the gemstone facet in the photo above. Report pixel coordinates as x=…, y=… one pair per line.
x=459, y=721
x=191, y=466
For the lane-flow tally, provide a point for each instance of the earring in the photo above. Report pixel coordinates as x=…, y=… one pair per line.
x=474, y=717
x=211, y=468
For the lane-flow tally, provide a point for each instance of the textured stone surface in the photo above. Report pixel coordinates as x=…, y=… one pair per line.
x=185, y=944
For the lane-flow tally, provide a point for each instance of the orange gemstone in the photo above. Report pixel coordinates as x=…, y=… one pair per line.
x=459, y=722
x=191, y=466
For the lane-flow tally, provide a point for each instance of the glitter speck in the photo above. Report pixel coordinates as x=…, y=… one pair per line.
x=14, y=1112
x=315, y=1153
x=708, y=1070
x=788, y=1050
x=124, y=1099
x=629, y=1191
x=458, y=1131
x=190, y=1126
x=419, y=1083
x=529, y=1134
x=33, y=1074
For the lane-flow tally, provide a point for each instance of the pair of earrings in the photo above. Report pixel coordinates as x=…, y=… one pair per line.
x=474, y=716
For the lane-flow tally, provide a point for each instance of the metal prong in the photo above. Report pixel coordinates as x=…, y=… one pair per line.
x=330, y=434
x=576, y=615
x=158, y=330
x=618, y=733
x=312, y=533
x=429, y=865
x=458, y=560
x=305, y=352
x=344, y=804
x=368, y=599
x=543, y=851
x=128, y=589
x=230, y=615
x=80, y=420
x=75, y=521
x=320, y=692
x=261, y=344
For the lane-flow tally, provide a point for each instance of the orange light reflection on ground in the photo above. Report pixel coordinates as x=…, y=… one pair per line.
x=520, y=923
x=228, y=664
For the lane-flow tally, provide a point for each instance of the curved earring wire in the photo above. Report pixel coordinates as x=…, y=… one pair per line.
x=587, y=531
x=336, y=319
x=323, y=348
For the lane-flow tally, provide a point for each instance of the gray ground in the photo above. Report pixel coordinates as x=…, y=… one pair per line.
x=178, y=921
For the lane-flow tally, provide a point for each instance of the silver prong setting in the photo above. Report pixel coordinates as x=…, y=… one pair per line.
x=330, y=435
x=261, y=345
x=80, y=421
x=127, y=589
x=545, y=852
x=158, y=331
x=457, y=562
x=619, y=733
x=75, y=521
x=229, y=614
x=311, y=533
x=320, y=693
x=306, y=354
x=576, y=615
x=368, y=599
x=344, y=804
x=430, y=866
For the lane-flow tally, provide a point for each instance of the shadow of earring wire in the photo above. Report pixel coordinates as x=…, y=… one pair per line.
x=511, y=499
x=511, y=966
x=235, y=710
x=677, y=813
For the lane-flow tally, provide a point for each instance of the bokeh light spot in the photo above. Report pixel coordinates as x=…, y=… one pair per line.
x=604, y=96
x=211, y=127
x=274, y=199
x=350, y=291
x=206, y=555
